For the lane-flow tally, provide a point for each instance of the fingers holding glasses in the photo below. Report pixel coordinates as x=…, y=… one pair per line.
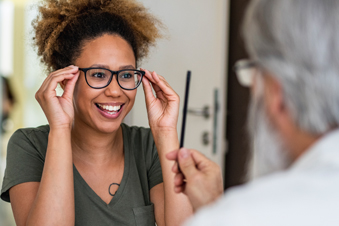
x=148, y=91
x=149, y=84
x=55, y=77
x=162, y=107
x=62, y=77
x=69, y=85
x=58, y=110
x=161, y=87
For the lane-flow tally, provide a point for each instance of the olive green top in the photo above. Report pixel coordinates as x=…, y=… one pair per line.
x=131, y=204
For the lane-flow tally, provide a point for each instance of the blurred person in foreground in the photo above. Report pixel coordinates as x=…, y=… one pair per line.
x=7, y=102
x=293, y=122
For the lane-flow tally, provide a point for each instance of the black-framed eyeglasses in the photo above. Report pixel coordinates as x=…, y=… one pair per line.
x=245, y=70
x=99, y=78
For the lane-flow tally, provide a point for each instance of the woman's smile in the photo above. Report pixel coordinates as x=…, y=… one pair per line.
x=110, y=110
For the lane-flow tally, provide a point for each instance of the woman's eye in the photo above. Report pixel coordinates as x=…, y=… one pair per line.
x=98, y=75
x=126, y=75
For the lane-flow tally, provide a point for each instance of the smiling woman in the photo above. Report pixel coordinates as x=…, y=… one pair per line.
x=86, y=167
x=104, y=107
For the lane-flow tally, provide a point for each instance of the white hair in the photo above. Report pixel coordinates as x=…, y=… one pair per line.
x=269, y=153
x=298, y=42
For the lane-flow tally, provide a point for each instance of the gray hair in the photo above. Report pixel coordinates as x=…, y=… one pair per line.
x=298, y=42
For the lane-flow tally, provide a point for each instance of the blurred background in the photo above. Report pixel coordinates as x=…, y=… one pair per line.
x=201, y=35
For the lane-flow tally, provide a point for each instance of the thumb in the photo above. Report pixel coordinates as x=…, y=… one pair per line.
x=149, y=96
x=173, y=155
x=70, y=85
x=186, y=162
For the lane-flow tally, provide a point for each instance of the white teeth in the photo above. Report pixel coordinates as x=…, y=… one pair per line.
x=112, y=113
x=110, y=107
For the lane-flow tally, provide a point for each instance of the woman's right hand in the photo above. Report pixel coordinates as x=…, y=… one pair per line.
x=58, y=109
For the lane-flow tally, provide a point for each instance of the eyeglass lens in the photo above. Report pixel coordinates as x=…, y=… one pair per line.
x=98, y=78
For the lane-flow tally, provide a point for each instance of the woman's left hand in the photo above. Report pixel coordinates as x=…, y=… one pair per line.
x=163, y=107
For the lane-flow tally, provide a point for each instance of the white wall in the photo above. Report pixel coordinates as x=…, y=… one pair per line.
x=6, y=37
x=34, y=73
x=197, y=41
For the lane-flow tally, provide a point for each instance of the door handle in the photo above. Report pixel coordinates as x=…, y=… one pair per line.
x=204, y=112
x=215, y=120
x=206, y=140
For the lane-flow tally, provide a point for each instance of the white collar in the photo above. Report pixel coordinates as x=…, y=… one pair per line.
x=325, y=149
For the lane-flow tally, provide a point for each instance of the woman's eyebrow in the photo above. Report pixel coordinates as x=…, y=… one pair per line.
x=127, y=67
x=106, y=66
x=99, y=65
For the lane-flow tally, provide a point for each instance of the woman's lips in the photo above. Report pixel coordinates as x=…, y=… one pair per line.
x=110, y=111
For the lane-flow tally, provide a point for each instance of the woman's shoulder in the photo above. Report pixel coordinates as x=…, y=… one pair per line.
x=30, y=138
x=31, y=133
x=27, y=130
x=26, y=151
x=33, y=130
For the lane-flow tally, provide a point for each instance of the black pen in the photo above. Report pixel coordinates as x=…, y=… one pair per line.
x=183, y=125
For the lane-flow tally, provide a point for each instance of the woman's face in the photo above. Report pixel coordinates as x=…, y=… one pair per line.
x=103, y=109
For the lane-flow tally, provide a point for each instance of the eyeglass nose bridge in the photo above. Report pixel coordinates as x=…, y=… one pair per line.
x=111, y=78
x=116, y=73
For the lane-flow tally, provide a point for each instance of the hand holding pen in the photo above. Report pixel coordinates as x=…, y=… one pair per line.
x=195, y=175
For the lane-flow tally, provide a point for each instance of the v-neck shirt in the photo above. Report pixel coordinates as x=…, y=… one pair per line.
x=131, y=204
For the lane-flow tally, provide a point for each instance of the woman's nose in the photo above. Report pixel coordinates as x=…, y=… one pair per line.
x=113, y=89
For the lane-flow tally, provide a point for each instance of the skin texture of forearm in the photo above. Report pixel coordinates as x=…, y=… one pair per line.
x=54, y=202
x=174, y=216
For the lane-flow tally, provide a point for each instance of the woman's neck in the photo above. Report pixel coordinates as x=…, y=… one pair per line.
x=94, y=147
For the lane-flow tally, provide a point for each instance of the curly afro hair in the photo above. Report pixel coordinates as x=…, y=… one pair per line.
x=63, y=26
